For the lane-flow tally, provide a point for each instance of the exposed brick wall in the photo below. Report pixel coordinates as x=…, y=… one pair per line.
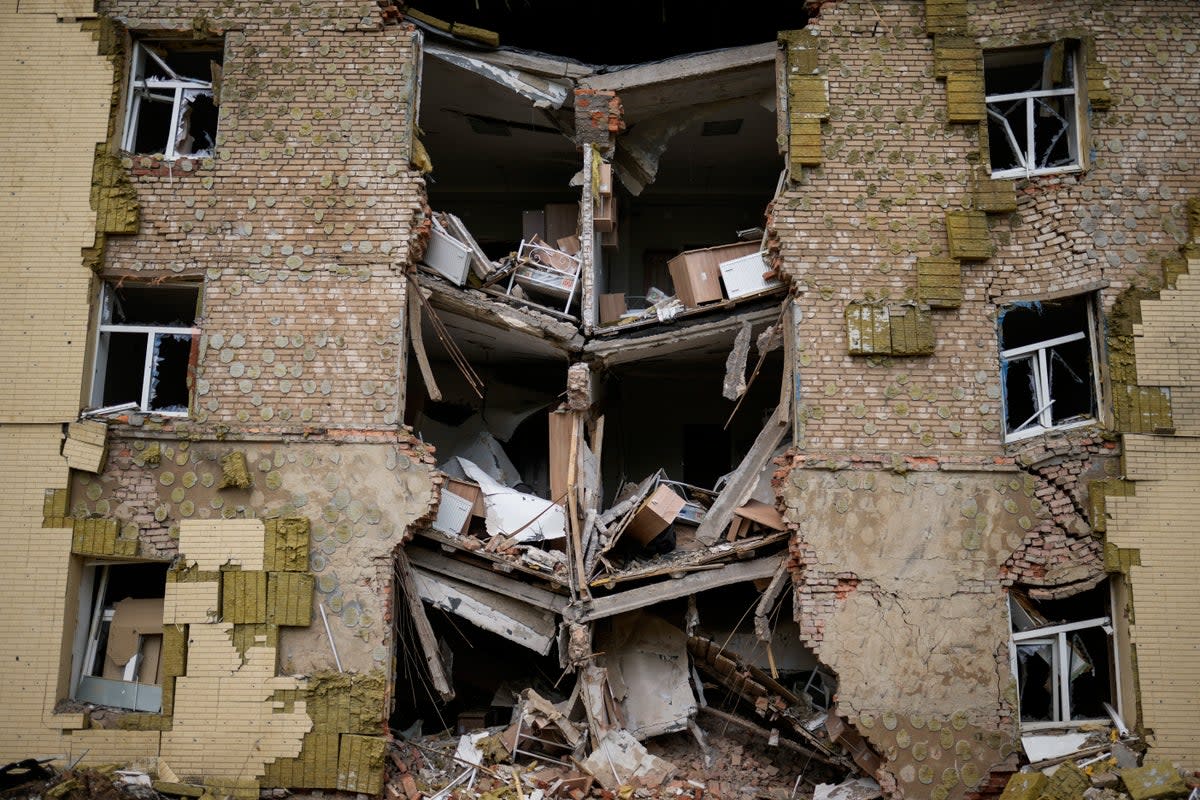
x=300, y=223
x=892, y=167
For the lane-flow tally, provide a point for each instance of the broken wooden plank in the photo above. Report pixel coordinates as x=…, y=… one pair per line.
x=428, y=642
x=418, y=341
x=742, y=482
x=513, y=619
x=662, y=591
x=701, y=560
x=453, y=568
x=499, y=563
x=767, y=601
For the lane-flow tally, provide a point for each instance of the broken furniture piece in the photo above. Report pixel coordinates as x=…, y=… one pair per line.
x=546, y=270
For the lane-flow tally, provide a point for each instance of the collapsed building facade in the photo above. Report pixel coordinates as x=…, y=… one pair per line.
x=367, y=374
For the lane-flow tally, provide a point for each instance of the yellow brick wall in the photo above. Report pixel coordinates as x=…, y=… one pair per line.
x=33, y=588
x=54, y=96
x=1162, y=521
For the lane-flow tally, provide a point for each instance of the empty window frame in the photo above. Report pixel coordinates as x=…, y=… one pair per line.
x=1048, y=366
x=1066, y=672
x=144, y=347
x=172, y=108
x=1032, y=110
x=119, y=636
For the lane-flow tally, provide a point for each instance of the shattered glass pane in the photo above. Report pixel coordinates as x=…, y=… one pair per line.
x=1053, y=121
x=123, y=367
x=1036, y=682
x=1019, y=392
x=169, y=369
x=197, y=133
x=1071, y=384
x=153, y=121
x=1007, y=134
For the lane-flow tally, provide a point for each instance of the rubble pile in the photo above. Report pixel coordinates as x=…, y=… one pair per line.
x=1102, y=764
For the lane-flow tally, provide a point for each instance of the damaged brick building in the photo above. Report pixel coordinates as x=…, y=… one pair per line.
x=825, y=371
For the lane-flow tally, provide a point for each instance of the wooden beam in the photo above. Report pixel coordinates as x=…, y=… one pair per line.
x=744, y=479
x=662, y=591
x=428, y=642
x=418, y=342
x=453, y=568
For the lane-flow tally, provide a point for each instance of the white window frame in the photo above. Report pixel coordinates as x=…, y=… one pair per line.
x=1028, y=159
x=1057, y=637
x=178, y=88
x=100, y=356
x=1043, y=419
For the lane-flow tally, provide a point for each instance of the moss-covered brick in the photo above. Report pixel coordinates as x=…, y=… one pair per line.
x=243, y=637
x=243, y=596
x=289, y=598
x=178, y=789
x=801, y=49
x=113, y=197
x=100, y=537
x=804, y=144
x=968, y=236
x=1142, y=409
x=344, y=703
x=912, y=329
x=991, y=195
x=1067, y=783
x=1098, y=93
x=939, y=282
x=144, y=722
x=945, y=16
x=233, y=789
x=235, y=474
x=1153, y=781
x=1121, y=559
x=1173, y=266
x=360, y=763
x=1024, y=786
x=54, y=509
x=964, y=97
x=1193, y=219
x=286, y=544
x=174, y=651
x=316, y=766
x=190, y=573
x=956, y=54
x=807, y=97
x=1098, y=493
x=868, y=328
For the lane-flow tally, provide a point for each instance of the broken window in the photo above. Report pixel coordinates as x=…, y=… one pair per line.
x=1063, y=659
x=144, y=350
x=1048, y=366
x=1033, y=126
x=173, y=96
x=119, y=636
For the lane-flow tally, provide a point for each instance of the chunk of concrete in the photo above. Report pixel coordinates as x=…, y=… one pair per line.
x=1157, y=780
x=857, y=789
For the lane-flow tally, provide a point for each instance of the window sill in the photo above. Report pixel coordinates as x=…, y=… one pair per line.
x=1017, y=174
x=1049, y=725
x=155, y=164
x=1010, y=438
